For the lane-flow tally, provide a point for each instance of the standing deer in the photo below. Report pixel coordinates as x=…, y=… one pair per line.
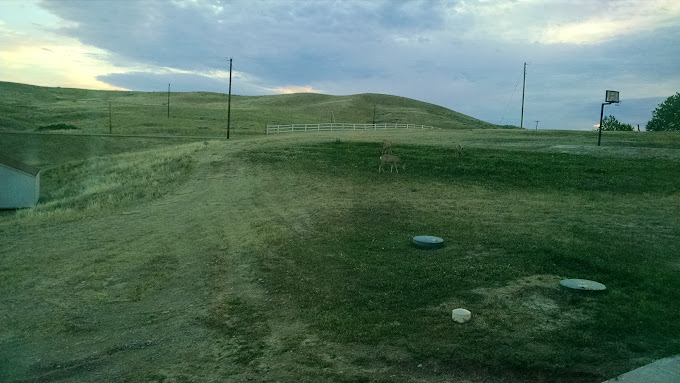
x=394, y=162
x=458, y=149
x=387, y=147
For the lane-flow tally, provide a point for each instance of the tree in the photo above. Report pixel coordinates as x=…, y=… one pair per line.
x=666, y=116
x=610, y=123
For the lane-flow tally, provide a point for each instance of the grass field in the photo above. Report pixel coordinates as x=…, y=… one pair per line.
x=288, y=258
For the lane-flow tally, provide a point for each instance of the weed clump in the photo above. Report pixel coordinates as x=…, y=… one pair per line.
x=56, y=127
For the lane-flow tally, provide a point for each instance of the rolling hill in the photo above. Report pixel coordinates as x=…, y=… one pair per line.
x=29, y=108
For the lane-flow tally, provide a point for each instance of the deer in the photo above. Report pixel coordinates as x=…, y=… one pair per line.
x=387, y=147
x=458, y=150
x=394, y=162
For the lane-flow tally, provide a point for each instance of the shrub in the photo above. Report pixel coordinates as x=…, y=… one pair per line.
x=610, y=123
x=56, y=127
x=666, y=116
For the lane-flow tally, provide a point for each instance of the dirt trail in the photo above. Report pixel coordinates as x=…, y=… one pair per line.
x=167, y=290
x=226, y=210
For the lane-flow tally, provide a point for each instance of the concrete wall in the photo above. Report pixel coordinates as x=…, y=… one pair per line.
x=17, y=188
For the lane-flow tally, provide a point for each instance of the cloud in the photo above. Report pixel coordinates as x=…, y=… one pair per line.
x=464, y=54
x=49, y=62
x=562, y=22
x=629, y=18
x=295, y=89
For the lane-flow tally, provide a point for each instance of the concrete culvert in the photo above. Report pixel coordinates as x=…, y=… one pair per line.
x=583, y=285
x=428, y=242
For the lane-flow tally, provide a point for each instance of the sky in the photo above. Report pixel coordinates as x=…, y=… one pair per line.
x=466, y=55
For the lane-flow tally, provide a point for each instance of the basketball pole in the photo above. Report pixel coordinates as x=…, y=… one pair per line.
x=599, y=134
x=611, y=97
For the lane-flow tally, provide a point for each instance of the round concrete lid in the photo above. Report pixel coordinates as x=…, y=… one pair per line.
x=428, y=241
x=583, y=284
x=461, y=315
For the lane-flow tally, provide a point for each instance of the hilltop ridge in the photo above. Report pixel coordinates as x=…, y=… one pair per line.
x=29, y=107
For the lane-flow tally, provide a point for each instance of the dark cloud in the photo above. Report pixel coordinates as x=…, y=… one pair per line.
x=429, y=50
x=151, y=32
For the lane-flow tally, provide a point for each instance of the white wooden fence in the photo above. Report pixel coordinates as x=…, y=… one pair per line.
x=271, y=129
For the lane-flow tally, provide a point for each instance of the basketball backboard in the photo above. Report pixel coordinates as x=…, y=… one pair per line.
x=612, y=96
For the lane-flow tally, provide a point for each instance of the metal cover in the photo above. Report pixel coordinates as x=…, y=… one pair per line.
x=583, y=284
x=428, y=241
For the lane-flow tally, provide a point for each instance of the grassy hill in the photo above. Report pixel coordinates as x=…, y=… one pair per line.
x=288, y=257
x=28, y=108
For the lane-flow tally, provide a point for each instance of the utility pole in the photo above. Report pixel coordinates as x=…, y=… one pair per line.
x=373, y=114
x=168, y=100
x=229, y=107
x=524, y=83
x=537, y=124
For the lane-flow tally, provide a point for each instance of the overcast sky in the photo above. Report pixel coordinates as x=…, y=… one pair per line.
x=466, y=55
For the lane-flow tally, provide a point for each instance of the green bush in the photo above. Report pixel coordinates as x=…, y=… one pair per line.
x=666, y=116
x=610, y=123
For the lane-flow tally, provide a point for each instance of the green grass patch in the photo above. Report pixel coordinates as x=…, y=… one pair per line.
x=50, y=150
x=242, y=323
x=106, y=183
x=498, y=169
x=515, y=223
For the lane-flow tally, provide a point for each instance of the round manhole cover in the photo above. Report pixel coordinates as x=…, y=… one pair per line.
x=428, y=242
x=582, y=284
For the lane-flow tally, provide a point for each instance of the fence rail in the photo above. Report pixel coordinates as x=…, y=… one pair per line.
x=271, y=129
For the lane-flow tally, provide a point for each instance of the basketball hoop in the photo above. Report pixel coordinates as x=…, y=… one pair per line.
x=610, y=97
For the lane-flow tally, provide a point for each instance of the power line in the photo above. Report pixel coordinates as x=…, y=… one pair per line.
x=508, y=103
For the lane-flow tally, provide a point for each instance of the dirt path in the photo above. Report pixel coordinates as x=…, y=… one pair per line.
x=163, y=291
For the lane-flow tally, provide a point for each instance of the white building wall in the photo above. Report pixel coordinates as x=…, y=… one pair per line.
x=18, y=189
